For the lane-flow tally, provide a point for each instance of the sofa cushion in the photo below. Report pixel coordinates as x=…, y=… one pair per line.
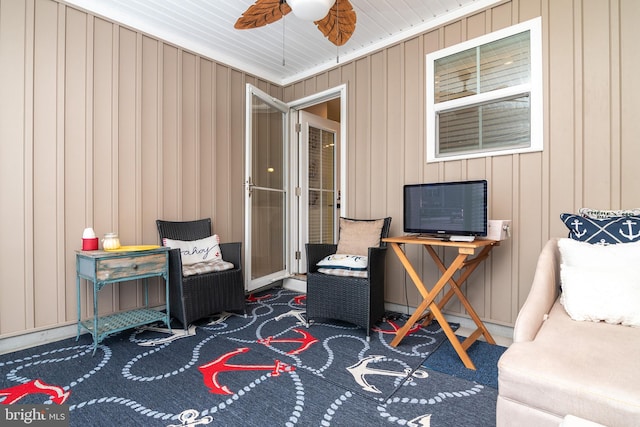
x=601, y=283
x=606, y=231
x=587, y=369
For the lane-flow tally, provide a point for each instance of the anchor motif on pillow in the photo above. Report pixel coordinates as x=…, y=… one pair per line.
x=630, y=225
x=602, y=231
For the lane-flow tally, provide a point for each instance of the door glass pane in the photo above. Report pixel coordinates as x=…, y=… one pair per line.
x=267, y=154
x=267, y=249
x=268, y=195
x=321, y=185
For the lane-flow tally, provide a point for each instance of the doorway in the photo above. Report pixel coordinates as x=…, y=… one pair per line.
x=288, y=200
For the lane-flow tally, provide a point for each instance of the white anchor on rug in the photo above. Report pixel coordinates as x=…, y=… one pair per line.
x=174, y=335
x=188, y=419
x=421, y=421
x=298, y=314
x=216, y=319
x=361, y=369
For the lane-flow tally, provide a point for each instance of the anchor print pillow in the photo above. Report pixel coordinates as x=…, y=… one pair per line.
x=609, y=231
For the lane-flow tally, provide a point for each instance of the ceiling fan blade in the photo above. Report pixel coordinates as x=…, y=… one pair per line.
x=339, y=24
x=261, y=13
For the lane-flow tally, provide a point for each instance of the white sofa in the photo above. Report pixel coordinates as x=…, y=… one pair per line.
x=557, y=366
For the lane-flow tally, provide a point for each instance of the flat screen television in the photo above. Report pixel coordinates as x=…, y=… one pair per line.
x=452, y=210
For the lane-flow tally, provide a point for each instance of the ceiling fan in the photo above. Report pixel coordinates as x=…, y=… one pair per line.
x=337, y=25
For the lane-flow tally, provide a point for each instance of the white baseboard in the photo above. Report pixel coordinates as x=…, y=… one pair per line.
x=294, y=284
x=32, y=339
x=501, y=333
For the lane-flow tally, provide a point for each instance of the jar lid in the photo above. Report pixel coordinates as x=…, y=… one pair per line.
x=110, y=235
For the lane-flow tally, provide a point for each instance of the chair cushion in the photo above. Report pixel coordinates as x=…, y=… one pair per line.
x=362, y=274
x=206, y=267
x=357, y=236
x=196, y=251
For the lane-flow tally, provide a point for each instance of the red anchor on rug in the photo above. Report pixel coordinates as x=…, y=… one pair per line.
x=306, y=341
x=15, y=393
x=298, y=299
x=253, y=298
x=211, y=370
x=415, y=327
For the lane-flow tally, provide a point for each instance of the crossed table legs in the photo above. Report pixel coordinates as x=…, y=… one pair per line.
x=465, y=249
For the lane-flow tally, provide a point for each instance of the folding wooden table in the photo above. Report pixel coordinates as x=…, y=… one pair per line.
x=461, y=261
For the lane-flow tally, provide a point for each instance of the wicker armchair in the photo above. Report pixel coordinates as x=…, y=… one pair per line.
x=351, y=299
x=194, y=297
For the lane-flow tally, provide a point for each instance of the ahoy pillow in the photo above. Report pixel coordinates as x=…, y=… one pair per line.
x=195, y=251
x=624, y=229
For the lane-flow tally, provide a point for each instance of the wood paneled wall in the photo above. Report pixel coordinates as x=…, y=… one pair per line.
x=590, y=138
x=106, y=127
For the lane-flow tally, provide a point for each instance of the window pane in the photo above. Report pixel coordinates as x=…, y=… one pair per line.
x=455, y=76
x=506, y=124
x=502, y=63
x=505, y=63
x=492, y=126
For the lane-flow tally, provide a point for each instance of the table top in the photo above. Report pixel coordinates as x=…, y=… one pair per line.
x=423, y=240
x=124, y=250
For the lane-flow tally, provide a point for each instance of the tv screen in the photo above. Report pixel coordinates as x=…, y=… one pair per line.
x=446, y=208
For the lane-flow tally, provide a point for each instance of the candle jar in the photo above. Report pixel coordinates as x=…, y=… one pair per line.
x=110, y=241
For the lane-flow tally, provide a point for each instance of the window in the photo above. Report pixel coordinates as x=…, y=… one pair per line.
x=484, y=96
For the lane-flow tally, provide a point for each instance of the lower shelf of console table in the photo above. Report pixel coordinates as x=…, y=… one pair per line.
x=114, y=323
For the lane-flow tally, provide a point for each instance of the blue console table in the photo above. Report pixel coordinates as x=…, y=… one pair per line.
x=101, y=268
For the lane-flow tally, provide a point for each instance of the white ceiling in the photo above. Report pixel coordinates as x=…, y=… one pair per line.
x=206, y=27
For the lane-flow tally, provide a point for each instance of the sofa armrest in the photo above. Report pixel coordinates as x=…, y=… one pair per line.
x=544, y=292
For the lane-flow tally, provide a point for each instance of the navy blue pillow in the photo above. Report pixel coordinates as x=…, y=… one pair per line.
x=602, y=231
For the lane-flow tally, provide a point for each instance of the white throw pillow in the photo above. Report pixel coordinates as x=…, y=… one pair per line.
x=344, y=262
x=601, y=283
x=195, y=251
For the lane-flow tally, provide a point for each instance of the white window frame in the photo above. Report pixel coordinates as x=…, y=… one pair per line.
x=533, y=89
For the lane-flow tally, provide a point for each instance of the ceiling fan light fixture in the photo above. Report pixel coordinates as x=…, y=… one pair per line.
x=310, y=10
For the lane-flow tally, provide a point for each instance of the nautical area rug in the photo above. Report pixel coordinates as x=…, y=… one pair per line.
x=268, y=368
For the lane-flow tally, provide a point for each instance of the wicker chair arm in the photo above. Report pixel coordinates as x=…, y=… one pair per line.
x=376, y=260
x=316, y=252
x=175, y=266
x=232, y=252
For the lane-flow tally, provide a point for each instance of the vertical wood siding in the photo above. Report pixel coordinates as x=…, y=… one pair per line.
x=590, y=139
x=106, y=127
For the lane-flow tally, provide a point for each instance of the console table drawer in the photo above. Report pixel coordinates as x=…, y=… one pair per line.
x=130, y=267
